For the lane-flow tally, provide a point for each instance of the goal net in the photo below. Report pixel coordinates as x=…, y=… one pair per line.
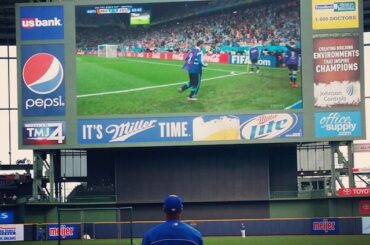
x=89, y=224
x=108, y=50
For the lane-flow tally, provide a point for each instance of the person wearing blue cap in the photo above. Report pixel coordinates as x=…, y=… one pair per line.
x=173, y=231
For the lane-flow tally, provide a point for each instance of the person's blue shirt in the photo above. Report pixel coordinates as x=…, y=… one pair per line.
x=254, y=53
x=173, y=232
x=194, y=61
x=292, y=55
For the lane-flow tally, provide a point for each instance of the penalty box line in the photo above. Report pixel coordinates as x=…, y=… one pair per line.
x=153, y=87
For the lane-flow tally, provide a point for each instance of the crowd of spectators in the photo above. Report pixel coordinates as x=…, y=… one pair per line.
x=267, y=24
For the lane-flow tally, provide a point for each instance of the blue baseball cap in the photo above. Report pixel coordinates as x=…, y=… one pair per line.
x=172, y=204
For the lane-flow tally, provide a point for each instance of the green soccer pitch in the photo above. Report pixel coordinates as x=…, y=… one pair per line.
x=112, y=86
x=249, y=240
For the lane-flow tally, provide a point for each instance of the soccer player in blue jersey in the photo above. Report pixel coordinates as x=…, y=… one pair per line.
x=194, y=64
x=254, y=55
x=173, y=231
x=292, y=61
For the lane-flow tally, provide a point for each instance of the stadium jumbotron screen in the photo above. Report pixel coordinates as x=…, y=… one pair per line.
x=144, y=67
x=189, y=72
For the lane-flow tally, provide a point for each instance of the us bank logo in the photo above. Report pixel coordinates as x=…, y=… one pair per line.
x=338, y=124
x=43, y=92
x=42, y=23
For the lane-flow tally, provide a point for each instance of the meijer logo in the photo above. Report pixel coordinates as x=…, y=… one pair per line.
x=29, y=23
x=43, y=74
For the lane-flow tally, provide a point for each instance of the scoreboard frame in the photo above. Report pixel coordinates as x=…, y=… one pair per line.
x=63, y=129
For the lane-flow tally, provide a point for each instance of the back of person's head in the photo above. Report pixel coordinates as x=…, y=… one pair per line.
x=172, y=204
x=200, y=43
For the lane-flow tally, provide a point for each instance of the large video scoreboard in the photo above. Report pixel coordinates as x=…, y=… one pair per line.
x=109, y=75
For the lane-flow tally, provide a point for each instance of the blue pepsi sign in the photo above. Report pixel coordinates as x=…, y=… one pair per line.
x=43, y=86
x=65, y=231
x=338, y=124
x=324, y=226
x=42, y=23
x=190, y=128
x=6, y=217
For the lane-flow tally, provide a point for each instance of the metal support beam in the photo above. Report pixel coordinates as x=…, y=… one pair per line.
x=351, y=177
x=333, y=175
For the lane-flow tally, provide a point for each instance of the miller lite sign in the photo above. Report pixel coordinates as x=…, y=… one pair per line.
x=43, y=88
x=42, y=23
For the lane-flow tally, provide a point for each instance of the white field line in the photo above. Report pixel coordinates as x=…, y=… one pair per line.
x=154, y=87
x=166, y=64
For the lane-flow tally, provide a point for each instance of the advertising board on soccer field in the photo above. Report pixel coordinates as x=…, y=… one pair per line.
x=109, y=85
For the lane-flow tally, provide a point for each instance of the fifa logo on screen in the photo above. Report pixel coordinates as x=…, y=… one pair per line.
x=43, y=74
x=30, y=23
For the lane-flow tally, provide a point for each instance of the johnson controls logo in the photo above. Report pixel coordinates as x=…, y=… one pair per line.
x=43, y=74
x=29, y=23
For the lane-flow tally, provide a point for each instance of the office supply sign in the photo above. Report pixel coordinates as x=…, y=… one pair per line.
x=338, y=124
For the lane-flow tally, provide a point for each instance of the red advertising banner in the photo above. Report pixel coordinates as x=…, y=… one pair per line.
x=208, y=58
x=364, y=207
x=353, y=192
x=336, y=70
x=361, y=147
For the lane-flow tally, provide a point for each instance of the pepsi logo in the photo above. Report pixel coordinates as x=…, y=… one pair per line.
x=43, y=73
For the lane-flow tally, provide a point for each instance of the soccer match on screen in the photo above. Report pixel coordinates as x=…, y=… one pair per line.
x=130, y=58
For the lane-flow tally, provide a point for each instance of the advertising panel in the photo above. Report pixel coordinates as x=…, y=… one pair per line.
x=353, y=192
x=336, y=70
x=44, y=132
x=67, y=231
x=364, y=207
x=188, y=129
x=6, y=217
x=11, y=233
x=42, y=23
x=324, y=226
x=125, y=85
x=334, y=14
x=43, y=85
x=338, y=124
x=365, y=225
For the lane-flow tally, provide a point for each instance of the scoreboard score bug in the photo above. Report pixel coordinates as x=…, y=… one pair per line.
x=73, y=98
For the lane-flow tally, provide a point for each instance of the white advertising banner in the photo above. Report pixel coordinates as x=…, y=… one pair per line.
x=365, y=225
x=11, y=233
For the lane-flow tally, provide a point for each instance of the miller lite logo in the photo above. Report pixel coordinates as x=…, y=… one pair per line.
x=268, y=126
x=43, y=73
